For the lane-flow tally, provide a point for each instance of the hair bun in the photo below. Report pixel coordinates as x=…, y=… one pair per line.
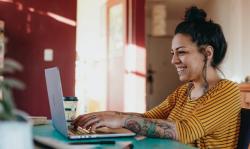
x=193, y=14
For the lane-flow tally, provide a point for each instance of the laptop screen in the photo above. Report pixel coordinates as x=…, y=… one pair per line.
x=55, y=94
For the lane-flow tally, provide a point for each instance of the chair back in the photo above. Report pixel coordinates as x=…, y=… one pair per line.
x=244, y=136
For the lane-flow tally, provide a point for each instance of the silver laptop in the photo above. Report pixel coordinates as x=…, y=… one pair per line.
x=55, y=95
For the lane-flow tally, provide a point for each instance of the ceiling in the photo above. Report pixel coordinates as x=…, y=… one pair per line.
x=176, y=8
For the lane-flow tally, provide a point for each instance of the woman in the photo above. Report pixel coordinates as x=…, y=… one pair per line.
x=204, y=111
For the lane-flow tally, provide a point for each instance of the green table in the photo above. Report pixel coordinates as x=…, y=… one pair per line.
x=138, y=142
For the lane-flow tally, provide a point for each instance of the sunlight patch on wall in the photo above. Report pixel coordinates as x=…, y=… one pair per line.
x=31, y=10
x=7, y=1
x=135, y=84
x=91, y=63
x=61, y=19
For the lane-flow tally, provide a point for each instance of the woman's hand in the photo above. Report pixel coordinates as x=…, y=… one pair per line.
x=95, y=120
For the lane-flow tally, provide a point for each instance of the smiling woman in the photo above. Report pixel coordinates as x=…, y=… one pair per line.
x=204, y=111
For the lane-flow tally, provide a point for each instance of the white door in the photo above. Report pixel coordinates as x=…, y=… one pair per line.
x=162, y=77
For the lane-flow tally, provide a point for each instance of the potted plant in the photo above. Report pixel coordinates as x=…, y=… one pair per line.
x=14, y=124
x=15, y=129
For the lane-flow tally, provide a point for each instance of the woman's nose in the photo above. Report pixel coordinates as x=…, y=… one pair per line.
x=175, y=59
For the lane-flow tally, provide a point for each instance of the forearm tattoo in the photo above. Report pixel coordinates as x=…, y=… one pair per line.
x=151, y=127
x=129, y=113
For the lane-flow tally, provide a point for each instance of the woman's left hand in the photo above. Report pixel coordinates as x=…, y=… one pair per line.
x=99, y=119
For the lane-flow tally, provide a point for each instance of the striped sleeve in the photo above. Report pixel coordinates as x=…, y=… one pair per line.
x=162, y=111
x=214, y=113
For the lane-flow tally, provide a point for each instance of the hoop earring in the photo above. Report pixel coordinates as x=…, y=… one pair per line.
x=204, y=71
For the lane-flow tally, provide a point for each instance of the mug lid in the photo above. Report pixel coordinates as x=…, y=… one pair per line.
x=70, y=98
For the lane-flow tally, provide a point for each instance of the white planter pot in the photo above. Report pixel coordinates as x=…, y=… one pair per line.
x=16, y=135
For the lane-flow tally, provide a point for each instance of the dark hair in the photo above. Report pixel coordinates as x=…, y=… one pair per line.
x=204, y=33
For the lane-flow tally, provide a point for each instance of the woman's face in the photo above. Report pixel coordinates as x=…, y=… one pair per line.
x=187, y=59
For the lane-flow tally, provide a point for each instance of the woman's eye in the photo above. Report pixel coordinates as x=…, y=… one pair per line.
x=181, y=52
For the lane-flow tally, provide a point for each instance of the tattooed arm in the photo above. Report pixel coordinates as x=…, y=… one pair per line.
x=151, y=127
x=130, y=114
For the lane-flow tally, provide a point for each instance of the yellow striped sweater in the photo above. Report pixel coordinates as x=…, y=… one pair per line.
x=211, y=121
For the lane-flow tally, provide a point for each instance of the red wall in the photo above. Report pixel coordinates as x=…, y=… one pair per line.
x=29, y=33
x=138, y=29
x=139, y=22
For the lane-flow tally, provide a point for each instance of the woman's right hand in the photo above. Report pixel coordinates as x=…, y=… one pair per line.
x=111, y=119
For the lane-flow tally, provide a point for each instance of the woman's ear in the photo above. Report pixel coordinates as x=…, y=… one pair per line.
x=209, y=52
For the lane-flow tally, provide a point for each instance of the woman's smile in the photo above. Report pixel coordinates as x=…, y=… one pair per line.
x=181, y=69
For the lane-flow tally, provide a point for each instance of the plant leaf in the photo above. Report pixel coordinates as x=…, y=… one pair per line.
x=11, y=83
x=10, y=66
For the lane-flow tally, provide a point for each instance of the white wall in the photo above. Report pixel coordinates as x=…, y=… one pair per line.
x=232, y=15
x=245, y=36
x=91, y=67
x=92, y=82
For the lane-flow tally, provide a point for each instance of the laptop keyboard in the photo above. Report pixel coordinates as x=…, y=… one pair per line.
x=79, y=131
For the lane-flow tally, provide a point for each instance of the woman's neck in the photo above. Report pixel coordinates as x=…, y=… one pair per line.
x=212, y=78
